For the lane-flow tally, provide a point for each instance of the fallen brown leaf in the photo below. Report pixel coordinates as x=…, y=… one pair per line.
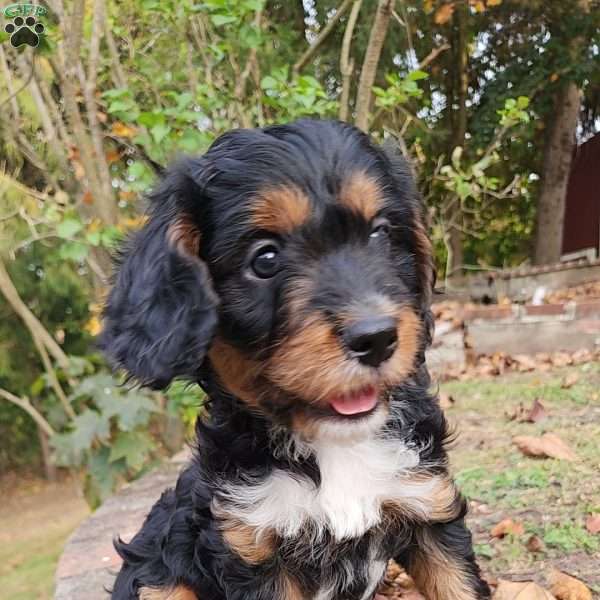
x=565, y=587
x=534, y=544
x=507, y=527
x=525, y=362
x=592, y=523
x=536, y=413
x=548, y=445
x=561, y=359
x=521, y=590
x=569, y=380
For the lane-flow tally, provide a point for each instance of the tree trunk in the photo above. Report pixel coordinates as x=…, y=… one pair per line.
x=346, y=62
x=558, y=154
x=50, y=470
x=458, y=119
x=370, y=62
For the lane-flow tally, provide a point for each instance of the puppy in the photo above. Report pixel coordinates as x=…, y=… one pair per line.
x=288, y=272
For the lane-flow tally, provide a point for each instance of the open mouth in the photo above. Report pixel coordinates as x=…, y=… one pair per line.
x=355, y=404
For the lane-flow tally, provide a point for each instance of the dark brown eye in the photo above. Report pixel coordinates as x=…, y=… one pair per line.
x=380, y=230
x=266, y=262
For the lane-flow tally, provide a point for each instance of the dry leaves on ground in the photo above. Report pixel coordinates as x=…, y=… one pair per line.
x=534, y=544
x=521, y=590
x=499, y=363
x=548, y=445
x=534, y=414
x=569, y=380
x=507, y=527
x=565, y=587
x=592, y=523
x=584, y=291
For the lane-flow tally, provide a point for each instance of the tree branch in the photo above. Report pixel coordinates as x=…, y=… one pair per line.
x=31, y=321
x=433, y=55
x=312, y=49
x=371, y=61
x=26, y=405
x=52, y=376
x=346, y=63
x=12, y=97
x=116, y=72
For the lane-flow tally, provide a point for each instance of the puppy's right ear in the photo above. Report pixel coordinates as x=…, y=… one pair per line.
x=161, y=314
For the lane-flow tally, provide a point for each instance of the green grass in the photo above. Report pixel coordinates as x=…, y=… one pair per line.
x=569, y=537
x=27, y=567
x=551, y=498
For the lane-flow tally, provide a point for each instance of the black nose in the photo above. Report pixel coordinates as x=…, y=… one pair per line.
x=372, y=341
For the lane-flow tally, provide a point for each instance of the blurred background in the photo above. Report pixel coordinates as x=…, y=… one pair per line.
x=495, y=102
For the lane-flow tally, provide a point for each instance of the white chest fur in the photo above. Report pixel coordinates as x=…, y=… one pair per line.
x=356, y=478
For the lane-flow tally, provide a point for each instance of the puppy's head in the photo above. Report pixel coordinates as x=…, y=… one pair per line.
x=293, y=263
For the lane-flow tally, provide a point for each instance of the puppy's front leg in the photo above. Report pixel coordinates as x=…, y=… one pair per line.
x=442, y=563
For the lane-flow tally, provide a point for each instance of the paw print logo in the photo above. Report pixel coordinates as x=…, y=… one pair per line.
x=24, y=31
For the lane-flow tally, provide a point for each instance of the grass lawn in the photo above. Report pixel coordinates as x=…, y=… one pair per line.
x=36, y=520
x=550, y=498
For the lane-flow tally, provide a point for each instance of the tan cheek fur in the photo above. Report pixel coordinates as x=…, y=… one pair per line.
x=306, y=362
x=236, y=372
x=400, y=365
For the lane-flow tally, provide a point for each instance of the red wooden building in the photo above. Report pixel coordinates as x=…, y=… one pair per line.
x=581, y=232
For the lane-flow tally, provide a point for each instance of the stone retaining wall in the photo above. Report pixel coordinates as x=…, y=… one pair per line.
x=530, y=329
x=520, y=284
x=89, y=563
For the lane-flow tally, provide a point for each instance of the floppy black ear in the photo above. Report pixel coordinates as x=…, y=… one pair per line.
x=161, y=314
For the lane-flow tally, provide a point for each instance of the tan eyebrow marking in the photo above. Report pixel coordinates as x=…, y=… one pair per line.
x=362, y=194
x=280, y=209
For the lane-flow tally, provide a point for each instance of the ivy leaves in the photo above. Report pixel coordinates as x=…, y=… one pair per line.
x=109, y=434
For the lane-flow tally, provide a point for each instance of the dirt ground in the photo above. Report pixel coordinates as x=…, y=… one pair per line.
x=35, y=520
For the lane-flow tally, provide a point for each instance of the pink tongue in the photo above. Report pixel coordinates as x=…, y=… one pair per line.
x=353, y=404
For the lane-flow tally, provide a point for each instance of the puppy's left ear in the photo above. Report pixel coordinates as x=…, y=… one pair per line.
x=404, y=179
x=161, y=314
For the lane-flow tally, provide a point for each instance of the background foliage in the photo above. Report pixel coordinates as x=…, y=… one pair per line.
x=468, y=89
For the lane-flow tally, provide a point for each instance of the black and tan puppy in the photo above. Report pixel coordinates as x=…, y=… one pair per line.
x=288, y=272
